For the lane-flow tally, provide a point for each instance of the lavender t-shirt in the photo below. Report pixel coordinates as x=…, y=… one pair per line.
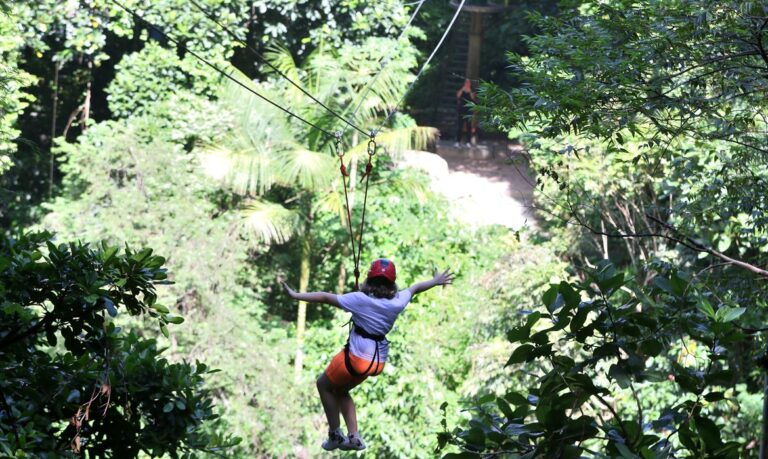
x=376, y=316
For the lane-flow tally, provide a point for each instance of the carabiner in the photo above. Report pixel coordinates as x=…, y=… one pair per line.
x=372, y=147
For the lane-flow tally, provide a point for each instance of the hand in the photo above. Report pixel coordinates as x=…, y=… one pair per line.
x=443, y=278
x=288, y=290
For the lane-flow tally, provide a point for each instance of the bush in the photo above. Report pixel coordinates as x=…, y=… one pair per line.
x=72, y=380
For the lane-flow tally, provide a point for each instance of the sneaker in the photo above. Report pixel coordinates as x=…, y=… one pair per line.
x=354, y=443
x=336, y=439
x=457, y=145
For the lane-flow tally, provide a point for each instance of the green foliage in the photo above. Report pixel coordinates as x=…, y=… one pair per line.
x=428, y=361
x=71, y=30
x=135, y=180
x=630, y=112
x=301, y=24
x=12, y=99
x=636, y=125
x=70, y=51
x=113, y=388
x=267, y=149
x=590, y=397
x=154, y=74
x=615, y=69
x=140, y=168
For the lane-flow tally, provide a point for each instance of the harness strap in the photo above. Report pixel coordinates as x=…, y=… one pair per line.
x=376, y=358
x=344, y=178
x=366, y=175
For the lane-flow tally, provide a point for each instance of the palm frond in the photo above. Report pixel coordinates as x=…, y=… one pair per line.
x=282, y=59
x=347, y=78
x=270, y=222
x=248, y=158
x=245, y=171
x=333, y=202
x=396, y=141
x=309, y=169
x=411, y=184
x=255, y=118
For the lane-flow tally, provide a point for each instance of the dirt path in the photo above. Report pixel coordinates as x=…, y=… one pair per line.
x=485, y=188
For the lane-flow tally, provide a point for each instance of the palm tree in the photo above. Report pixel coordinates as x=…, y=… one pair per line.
x=266, y=148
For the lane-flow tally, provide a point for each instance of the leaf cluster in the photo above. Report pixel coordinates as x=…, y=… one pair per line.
x=72, y=380
x=598, y=347
x=615, y=69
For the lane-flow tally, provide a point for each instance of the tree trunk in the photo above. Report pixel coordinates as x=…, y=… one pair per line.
x=342, y=281
x=304, y=272
x=54, y=114
x=605, y=240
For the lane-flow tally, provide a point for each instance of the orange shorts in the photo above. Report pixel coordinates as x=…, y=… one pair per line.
x=339, y=376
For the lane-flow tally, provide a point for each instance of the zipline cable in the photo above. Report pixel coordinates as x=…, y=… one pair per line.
x=266, y=61
x=222, y=72
x=423, y=68
x=383, y=65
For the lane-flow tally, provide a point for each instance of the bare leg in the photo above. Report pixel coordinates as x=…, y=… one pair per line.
x=330, y=402
x=347, y=407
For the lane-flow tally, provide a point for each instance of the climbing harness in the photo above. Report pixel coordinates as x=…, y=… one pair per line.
x=378, y=339
x=345, y=179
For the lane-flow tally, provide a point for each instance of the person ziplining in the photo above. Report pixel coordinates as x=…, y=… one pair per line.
x=374, y=310
x=377, y=303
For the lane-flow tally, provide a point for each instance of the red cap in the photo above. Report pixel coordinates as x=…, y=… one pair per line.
x=382, y=268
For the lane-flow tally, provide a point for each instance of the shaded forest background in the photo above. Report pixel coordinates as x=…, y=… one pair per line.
x=628, y=322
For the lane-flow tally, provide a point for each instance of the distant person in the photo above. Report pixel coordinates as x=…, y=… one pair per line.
x=465, y=96
x=374, y=311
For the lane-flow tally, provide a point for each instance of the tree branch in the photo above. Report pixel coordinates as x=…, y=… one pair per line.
x=14, y=338
x=702, y=248
x=679, y=238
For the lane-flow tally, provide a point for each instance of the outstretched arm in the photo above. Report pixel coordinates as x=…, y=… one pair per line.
x=313, y=297
x=444, y=278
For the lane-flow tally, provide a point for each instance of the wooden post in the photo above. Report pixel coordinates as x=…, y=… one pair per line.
x=475, y=45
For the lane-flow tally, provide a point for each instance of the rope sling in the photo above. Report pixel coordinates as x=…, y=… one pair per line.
x=357, y=246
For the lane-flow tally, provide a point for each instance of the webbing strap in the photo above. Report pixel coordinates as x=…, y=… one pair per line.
x=367, y=177
x=344, y=178
x=351, y=369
